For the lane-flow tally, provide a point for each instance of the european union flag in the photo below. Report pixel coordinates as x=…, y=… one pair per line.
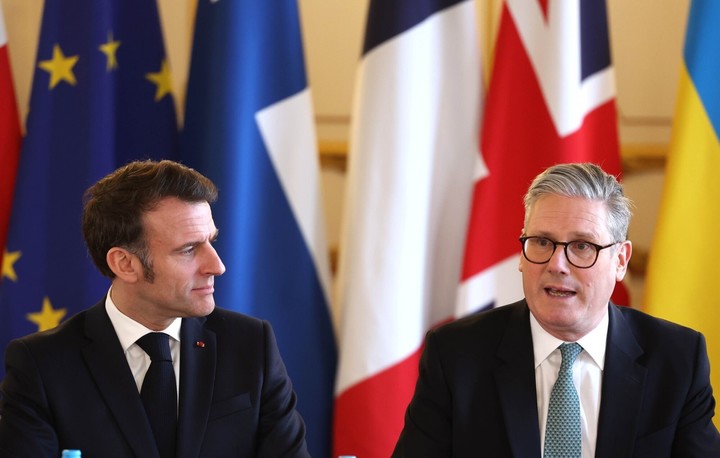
x=249, y=128
x=101, y=96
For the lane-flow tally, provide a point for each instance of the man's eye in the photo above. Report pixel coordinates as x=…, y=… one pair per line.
x=581, y=246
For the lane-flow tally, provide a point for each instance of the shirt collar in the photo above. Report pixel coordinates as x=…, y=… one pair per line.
x=129, y=330
x=594, y=342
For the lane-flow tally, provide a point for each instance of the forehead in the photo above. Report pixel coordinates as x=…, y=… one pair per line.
x=567, y=216
x=175, y=217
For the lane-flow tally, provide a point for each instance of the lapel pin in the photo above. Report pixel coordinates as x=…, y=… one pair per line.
x=200, y=344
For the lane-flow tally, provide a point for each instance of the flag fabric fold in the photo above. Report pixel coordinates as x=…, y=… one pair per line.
x=10, y=137
x=413, y=148
x=682, y=267
x=249, y=127
x=551, y=99
x=101, y=96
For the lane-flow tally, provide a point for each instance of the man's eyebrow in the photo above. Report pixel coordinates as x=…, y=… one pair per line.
x=190, y=244
x=584, y=236
x=194, y=243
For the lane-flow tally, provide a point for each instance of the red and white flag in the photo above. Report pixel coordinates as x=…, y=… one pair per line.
x=9, y=137
x=551, y=99
x=413, y=148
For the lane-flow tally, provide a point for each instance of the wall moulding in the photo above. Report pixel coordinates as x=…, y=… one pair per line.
x=636, y=157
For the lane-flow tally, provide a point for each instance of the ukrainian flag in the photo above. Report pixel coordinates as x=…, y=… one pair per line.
x=683, y=268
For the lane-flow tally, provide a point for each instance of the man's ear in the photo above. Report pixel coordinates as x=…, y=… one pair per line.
x=125, y=265
x=623, y=259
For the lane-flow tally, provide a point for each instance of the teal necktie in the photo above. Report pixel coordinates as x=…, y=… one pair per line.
x=562, y=431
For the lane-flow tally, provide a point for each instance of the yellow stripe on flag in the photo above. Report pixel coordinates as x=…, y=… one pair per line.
x=684, y=264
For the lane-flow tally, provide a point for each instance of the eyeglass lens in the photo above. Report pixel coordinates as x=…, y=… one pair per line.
x=579, y=253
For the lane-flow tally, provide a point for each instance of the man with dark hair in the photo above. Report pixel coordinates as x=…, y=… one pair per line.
x=564, y=372
x=154, y=369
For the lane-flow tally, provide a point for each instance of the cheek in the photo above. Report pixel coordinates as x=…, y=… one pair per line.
x=527, y=267
x=588, y=280
x=531, y=271
x=597, y=284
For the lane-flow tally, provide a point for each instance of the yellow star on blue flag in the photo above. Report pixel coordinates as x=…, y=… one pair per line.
x=8, y=264
x=99, y=113
x=47, y=317
x=59, y=67
x=162, y=80
x=110, y=49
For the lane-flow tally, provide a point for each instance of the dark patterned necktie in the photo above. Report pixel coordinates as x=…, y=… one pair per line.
x=563, y=438
x=159, y=392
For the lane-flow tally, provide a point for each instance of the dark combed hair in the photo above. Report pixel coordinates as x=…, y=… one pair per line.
x=113, y=207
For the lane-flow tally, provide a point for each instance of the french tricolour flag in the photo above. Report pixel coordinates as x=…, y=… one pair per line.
x=551, y=99
x=413, y=149
x=249, y=127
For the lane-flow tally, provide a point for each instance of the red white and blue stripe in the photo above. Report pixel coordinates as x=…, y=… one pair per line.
x=413, y=145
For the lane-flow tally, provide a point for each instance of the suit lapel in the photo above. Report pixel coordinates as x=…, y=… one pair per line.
x=198, y=355
x=108, y=366
x=622, y=387
x=515, y=380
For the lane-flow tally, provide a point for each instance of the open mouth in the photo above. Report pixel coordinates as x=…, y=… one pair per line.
x=559, y=292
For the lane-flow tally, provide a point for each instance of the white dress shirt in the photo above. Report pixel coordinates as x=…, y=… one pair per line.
x=129, y=331
x=587, y=377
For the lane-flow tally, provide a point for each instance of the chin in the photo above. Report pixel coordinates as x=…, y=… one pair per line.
x=560, y=318
x=202, y=310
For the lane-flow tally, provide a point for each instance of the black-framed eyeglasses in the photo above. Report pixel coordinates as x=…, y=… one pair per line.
x=579, y=253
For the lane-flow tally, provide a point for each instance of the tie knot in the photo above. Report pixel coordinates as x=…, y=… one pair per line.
x=156, y=345
x=569, y=352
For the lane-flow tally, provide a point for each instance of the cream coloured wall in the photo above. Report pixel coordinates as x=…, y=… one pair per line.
x=646, y=35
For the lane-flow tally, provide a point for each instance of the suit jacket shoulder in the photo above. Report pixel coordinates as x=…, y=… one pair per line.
x=475, y=390
x=237, y=394
x=487, y=326
x=656, y=394
x=71, y=387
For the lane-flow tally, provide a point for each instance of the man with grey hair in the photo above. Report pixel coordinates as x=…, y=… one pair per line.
x=565, y=372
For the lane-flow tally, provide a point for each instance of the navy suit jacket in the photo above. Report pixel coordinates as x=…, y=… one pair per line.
x=476, y=394
x=71, y=387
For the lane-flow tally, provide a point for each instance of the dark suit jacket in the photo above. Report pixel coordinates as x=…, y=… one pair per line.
x=475, y=394
x=71, y=387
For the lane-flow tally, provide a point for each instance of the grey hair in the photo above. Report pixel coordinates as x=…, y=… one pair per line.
x=590, y=182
